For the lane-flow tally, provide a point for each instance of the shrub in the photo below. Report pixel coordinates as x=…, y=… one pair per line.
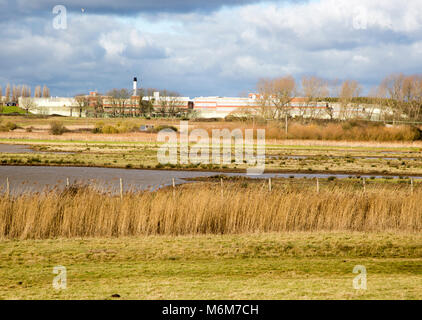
x=98, y=127
x=164, y=127
x=11, y=126
x=109, y=129
x=120, y=127
x=57, y=128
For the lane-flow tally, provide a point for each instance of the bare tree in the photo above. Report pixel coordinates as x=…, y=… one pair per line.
x=37, y=92
x=113, y=100
x=119, y=99
x=28, y=104
x=98, y=106
x=46, y=92
x=314, y=89
x=145, y=106
x=7, y=92
x=25, y=91
x=275, y=96
x=394, y=88
x=83, y=103
x=15, y=94
x=350, y=90
x=170, y=103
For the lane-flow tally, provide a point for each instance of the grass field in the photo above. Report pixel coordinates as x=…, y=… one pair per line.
x=11, y=109
x=250, y=266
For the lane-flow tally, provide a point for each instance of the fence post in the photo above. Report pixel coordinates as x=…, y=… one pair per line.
x=121, y=188
x=317, y=185
x=270, y=187
x=67, y=182
x=364, y=184
x=174, y=188
x=411, y=185
x=222, y=187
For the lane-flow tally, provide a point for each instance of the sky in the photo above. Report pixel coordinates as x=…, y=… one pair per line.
x=204, y=47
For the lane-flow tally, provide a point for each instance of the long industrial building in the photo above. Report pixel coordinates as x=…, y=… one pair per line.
x=202, y=107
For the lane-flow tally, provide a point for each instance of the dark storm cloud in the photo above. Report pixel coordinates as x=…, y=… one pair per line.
x=13, y=9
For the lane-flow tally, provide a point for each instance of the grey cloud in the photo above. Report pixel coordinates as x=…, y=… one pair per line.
x=220, y=53
x=12, y=9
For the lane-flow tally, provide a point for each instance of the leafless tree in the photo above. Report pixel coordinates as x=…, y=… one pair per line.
x=350, y=89
x=15, y=94
x=145, y=107
x=275, y=95
x=170, y=104
x=28, y=104
x=402, y=97
x=314, y=89
x=7, y=92
x=46, y=92
x=25, y=91
x=98, y=106
x=37, y=92
x=83, y=103
x=119, y=99
x=113, y=100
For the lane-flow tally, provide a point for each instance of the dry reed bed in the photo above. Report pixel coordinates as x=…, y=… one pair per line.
x=331, y=132
x=203, y=209
x=345, y=131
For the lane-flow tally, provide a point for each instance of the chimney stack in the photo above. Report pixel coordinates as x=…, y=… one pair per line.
x=135, y=86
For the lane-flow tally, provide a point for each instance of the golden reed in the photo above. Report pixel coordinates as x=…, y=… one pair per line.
x=204, y=209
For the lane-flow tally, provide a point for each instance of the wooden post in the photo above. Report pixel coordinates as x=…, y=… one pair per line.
x=7, y=187
x=317, y=185
x=364, y=184
x=67, y=182
x=270, y=187
x=174, y=188
x=121, y=188
x=411, y=185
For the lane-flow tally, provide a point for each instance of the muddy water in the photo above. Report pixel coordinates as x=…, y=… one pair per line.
x=290, y=157
x=15, y=148
x=35, y=179
x=23, y=148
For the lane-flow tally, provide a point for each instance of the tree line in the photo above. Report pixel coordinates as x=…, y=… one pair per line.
x=398, y=97
x=13, y=93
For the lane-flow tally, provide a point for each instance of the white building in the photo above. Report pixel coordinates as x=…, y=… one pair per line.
x=53, y=106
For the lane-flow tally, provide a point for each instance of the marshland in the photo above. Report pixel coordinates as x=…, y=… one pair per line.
x=330, y=204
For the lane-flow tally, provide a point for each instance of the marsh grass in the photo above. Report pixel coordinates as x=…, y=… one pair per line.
x=207, y=209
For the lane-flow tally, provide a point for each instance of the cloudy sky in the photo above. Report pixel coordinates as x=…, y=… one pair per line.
x=204, y=47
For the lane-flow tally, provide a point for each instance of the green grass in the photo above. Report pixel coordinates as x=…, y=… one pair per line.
x=270, y=266
x=12, y=109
